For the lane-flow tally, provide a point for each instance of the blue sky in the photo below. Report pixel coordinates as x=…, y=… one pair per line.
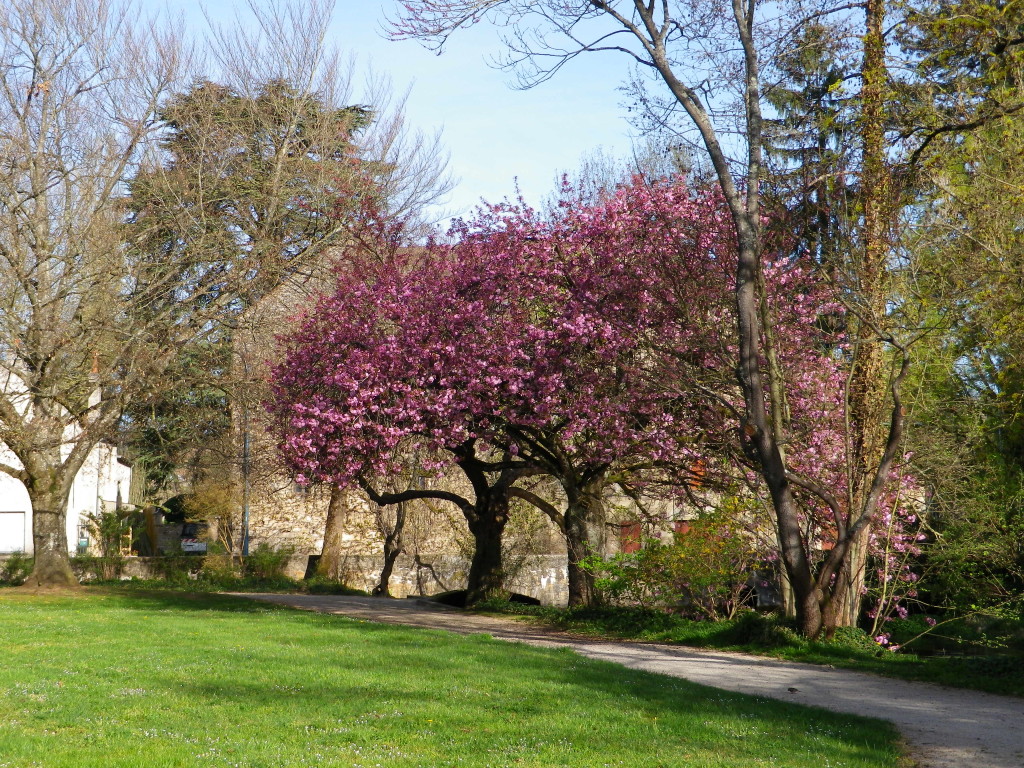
x=494, y=133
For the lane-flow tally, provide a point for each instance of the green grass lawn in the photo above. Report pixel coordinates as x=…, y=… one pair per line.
x=109, y=678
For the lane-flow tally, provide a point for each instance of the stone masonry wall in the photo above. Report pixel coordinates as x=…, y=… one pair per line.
x=540, y=576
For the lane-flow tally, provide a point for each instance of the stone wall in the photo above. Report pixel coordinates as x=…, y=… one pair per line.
x=540, y=576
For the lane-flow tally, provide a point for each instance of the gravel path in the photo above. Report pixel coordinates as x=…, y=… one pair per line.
x=944, y=727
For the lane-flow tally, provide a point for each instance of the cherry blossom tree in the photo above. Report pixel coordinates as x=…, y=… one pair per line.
x=603, y=413
x=363, y=388
x=584, y=346
x=517, y=351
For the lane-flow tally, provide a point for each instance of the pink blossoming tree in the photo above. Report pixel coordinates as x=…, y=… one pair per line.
x=584, y=347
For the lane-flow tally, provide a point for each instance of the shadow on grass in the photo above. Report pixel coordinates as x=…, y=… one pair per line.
x=154, y=599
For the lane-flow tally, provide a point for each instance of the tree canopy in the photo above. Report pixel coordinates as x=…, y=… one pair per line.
x=563, y=343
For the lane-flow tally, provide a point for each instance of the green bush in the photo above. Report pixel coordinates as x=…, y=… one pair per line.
x=702, y=574
x=97, y=567
x=267, y=564
x=220, y=571
x=762, y=630
x=112, y=531
x=854, y=639
x=176, y=569
x=15, y=569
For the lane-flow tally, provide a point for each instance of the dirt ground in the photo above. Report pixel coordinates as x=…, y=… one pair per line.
x=944, y=727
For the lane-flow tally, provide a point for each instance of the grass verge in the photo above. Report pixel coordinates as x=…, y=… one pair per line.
x=993, y=672
x=115, y=678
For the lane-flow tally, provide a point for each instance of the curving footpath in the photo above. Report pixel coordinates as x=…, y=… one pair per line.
x=944, y=727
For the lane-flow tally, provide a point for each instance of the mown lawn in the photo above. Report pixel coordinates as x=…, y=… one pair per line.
x=163, y=679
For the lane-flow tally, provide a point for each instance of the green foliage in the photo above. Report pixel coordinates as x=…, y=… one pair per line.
x=977, y=562
x=15, y=568
x=807, y=147
x=178, y=570
x=970, y=635
x=702, y=574
x=753, y=629
x=266, y=563
x=111, y=530
x=183, y=422
x=262, y=569
x=968, y=437
x=220, y=570
x=252, y=179
x=252, y=183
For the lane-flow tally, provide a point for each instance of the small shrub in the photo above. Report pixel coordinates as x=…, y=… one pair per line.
x=220, y=571
x=702, y=575
x=176, y=569
x=267, y=564
x=97, y=567
x=766, y=631
x=112, y=532
x=15, y=569
x=854, y=639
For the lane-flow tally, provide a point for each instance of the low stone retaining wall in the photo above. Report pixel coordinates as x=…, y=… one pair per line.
x=540, y=576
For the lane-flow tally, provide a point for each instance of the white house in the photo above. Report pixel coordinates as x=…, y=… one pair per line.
x=100, y=484
x=102, y=481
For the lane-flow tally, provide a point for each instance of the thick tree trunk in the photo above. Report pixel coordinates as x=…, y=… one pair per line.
x=806, y=592
x=329, y=566
x=392, y=549
x=486, y=571
x=585, y=534
x=486, y=516
x=582, y=590
x=52, y=565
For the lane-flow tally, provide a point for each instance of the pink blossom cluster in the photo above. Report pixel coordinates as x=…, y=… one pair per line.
x=896, y=540
x=525, y=330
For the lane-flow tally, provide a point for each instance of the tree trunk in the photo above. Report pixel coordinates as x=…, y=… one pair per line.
x=392, y=549
x=867, y=394
x=788, y=595
x=585, y=535
x=329, y=566
x=855, y=580
x=486, y=572
x=52, y=566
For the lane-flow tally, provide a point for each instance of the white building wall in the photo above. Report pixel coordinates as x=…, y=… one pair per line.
x=95, y=488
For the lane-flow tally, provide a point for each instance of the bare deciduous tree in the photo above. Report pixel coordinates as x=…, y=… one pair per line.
x=81, y=88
